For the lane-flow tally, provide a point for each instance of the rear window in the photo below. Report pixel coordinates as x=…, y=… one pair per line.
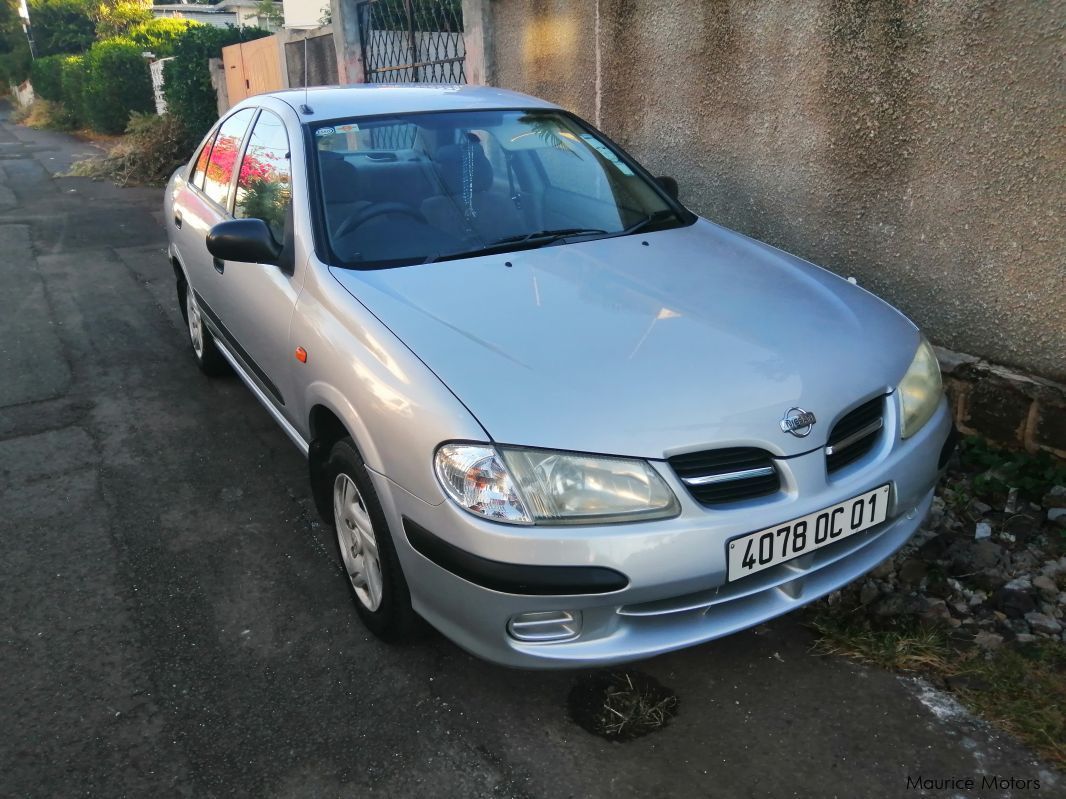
x=224, y=156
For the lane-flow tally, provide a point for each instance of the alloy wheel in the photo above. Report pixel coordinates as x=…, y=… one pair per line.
x=196, y=327
x=358, y=544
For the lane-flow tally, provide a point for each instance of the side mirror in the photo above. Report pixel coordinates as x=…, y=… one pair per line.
x=247, y=240
x=668, y=184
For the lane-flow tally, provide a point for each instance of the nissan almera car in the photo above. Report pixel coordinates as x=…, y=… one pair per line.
x=545, y=407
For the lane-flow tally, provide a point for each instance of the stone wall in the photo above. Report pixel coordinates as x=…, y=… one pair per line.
x=916, y=146
x=1010, y=408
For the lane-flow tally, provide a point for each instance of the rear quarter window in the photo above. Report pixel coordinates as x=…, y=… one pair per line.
x=200, y=170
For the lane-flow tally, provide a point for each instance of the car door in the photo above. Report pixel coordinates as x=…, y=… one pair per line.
x=257, y=305
x=187, y=233
x=203, y=203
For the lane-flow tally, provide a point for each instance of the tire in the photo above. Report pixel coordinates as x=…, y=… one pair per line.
x=365, y=547
x=201, y=342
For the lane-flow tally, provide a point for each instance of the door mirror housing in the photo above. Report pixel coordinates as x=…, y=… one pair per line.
x=247, y=240
x=668, y=184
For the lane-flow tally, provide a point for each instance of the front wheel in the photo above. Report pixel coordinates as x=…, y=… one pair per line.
x=208, y=358
x=368, y=556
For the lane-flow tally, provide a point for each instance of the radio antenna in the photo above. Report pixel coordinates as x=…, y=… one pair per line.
x=305, y=109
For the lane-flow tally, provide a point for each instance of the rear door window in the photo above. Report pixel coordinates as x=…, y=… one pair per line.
x=224, y=154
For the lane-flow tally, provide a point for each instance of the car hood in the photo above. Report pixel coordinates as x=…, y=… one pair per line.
x=644, y=345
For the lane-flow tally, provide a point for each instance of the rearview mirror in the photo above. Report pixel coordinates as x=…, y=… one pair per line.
x=247, y=240
x=668, y=184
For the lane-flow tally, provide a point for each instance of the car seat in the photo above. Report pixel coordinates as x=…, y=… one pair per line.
x=473, y=207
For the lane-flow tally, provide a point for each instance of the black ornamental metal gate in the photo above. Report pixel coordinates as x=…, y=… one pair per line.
x=412, y=41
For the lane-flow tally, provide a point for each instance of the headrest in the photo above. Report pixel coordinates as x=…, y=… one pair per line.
x=451, y=165
x=339, y=179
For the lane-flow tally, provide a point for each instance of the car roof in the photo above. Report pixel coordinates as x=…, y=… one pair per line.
x=370, y=99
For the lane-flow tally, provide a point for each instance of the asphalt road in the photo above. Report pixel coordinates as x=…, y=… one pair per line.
x=174, y=622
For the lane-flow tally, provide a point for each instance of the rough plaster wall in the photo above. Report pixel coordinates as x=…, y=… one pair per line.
x=321, y=61
x=916, y=145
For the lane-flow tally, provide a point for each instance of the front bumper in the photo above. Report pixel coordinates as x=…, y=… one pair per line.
x=677, y=594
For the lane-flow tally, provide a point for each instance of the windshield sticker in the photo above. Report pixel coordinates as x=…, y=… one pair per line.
x=346, y=128
x=606, y=152
x=324, y=132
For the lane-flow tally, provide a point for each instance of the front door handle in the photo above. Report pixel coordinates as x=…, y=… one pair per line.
x=219, y=264
x=177, y=220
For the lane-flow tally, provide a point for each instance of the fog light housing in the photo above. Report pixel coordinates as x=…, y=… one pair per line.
x=545, y=626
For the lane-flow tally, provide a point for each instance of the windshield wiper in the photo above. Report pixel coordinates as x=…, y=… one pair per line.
x=542, y=237
x=658, y=216
x=523, y=241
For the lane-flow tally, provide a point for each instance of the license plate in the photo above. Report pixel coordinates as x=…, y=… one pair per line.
x=757, y=551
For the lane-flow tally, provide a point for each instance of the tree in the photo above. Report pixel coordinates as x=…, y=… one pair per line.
x=62, y=26
x=14, y=50
x=71, y=26
x=267, y=12
x=187, y=78
x=117, y=17
x=159, y=36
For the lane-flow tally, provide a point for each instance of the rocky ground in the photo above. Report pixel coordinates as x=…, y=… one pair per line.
x=989, y=566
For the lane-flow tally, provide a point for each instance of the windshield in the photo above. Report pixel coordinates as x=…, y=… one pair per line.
x=419, y=188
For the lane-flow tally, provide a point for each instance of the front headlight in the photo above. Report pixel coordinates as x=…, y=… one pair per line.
x=533, y=486
x=920, y=390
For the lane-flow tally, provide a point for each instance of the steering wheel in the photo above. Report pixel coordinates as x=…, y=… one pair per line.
x=374, y=211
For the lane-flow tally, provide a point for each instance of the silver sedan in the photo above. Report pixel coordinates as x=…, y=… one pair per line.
x=545, y=407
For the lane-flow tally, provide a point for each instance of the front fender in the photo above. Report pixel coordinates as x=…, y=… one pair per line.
x=394, y=407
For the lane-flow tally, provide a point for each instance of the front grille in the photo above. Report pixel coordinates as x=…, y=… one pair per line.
x=855, y=434
x=726, y=475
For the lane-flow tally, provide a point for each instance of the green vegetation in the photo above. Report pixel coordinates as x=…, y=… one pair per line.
x=187, y=79
x=267, y=11
x=14, y=50
x=266, y=197
x=62, y=26
x=92, y=72
x=46, y=75
x=91, y=68
x=118, y=17
x=116, y=84
x=71, y=26
x=159, y=36
x=72, y=85
x=998, y=470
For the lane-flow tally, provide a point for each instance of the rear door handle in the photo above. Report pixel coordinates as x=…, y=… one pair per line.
x=219, y=264
x=177, y=220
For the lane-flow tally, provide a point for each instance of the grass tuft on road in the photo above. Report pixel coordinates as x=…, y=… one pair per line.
x=1022, y=689
x=621, y=705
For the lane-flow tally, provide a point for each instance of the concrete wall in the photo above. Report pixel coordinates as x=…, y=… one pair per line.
x=322, y=58
x=916, y=145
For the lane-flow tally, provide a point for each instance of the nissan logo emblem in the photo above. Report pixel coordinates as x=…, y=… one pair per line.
x=798, y=422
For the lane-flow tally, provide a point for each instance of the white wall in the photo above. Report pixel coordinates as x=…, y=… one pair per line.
x=304, y=13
